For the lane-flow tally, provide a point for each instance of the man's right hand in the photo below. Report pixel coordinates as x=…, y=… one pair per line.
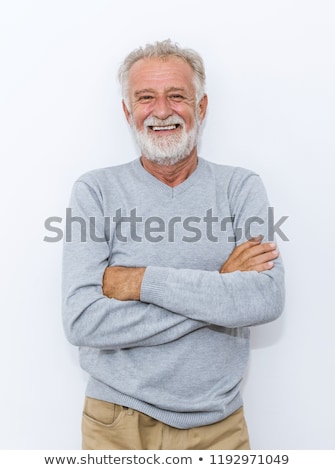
x=252, y=255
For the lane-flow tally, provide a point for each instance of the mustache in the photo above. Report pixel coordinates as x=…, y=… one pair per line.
x=170, y=121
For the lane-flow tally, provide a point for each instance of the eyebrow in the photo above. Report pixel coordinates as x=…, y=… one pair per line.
x=144, y=90
x=151, y=90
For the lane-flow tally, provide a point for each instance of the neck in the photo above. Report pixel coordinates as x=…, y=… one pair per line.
x=172, y=175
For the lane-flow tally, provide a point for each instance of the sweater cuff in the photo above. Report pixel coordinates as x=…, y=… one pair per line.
x=154, y=285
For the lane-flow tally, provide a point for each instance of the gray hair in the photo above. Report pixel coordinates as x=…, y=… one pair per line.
x=163, y=50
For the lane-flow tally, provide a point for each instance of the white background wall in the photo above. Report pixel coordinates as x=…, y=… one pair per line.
x=271, y=72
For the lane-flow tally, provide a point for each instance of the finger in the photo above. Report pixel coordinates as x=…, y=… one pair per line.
x=257, y=239
x=263, y=258
x=257, y=250
x=238, y=250
x=263, y=267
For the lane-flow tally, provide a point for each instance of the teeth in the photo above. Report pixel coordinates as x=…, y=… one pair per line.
x=164, y=128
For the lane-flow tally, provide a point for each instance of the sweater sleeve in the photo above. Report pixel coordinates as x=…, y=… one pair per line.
x=90, y=318
x=230, y=300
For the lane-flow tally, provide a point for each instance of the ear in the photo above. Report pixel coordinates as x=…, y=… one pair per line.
x=203, y=107
x=126, y=112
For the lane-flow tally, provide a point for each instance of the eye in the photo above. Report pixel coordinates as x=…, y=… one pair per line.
x=176, y=97
x=145, y=98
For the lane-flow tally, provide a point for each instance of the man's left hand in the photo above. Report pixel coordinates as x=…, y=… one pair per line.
x=122, y=283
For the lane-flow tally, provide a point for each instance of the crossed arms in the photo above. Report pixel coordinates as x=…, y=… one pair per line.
x=122, y=307
x=124, y=283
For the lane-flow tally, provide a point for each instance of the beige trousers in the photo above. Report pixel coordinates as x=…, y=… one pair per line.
x=109, y=426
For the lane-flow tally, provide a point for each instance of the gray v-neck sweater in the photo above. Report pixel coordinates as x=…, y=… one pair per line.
x=179, y=354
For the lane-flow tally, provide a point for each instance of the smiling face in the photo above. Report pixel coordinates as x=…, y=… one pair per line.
x=163, y=110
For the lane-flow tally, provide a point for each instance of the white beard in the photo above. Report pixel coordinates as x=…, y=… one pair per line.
x=169, y=149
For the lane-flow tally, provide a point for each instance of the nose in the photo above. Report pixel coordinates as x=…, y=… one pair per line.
x=162, y=109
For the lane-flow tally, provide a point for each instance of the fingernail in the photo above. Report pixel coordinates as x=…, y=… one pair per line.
x=256, y=239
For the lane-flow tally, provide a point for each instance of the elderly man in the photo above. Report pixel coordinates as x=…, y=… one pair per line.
x=168, y=263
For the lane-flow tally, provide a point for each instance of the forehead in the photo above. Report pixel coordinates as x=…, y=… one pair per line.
x=161, y=74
